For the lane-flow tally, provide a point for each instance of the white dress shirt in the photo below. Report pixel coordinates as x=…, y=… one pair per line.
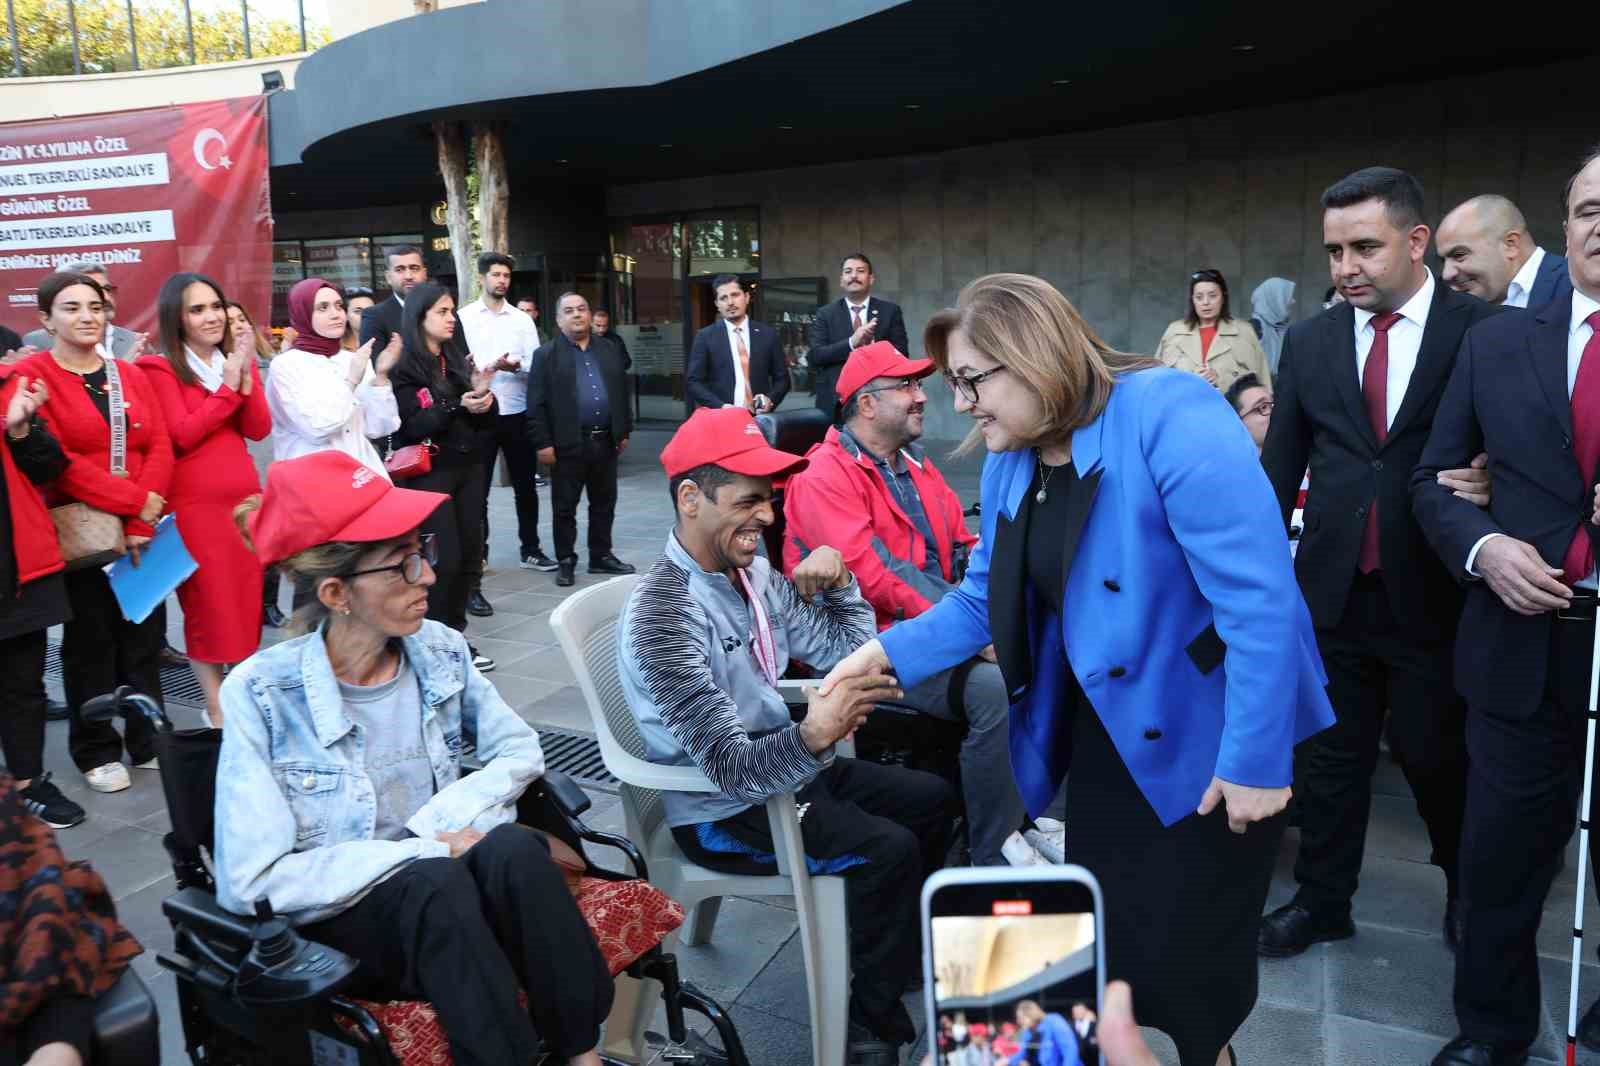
x=1578, y=333
x=314, y=409
x=491, y=334
x=865, y=307
x=1405, y=341
x=741, y=384
x=1521, y=286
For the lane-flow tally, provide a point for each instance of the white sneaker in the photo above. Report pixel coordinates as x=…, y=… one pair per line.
x=1019, y=852
x=1052, y=844
x=154, y=762
x=112, y=777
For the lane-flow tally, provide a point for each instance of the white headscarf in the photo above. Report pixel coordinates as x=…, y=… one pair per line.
x=1269, y=305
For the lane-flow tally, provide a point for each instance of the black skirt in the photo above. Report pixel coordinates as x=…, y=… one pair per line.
x=1183, y=902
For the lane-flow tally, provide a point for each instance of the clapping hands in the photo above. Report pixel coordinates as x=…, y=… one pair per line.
x=25, y=401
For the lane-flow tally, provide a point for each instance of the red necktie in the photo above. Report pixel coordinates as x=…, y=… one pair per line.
x=1579, y=560
x=1375, y=396
x=855, y=318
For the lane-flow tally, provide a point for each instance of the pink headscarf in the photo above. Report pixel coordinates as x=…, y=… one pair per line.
x=301, y=300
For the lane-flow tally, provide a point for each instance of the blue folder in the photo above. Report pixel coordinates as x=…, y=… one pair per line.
x=164, y=564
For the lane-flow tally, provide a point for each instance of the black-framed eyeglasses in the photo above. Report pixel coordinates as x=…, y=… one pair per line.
x=906, y=384
x=1260, y=407
x=410, y=567
x=968, y=386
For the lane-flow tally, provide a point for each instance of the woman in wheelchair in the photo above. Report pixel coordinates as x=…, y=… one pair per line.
x=339, y=790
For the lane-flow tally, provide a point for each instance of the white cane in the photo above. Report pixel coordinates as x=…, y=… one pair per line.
x=1583, y=851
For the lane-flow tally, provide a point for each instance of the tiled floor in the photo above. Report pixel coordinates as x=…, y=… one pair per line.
x=1382, y=999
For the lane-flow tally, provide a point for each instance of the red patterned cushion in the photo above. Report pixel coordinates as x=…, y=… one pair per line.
x=628, y=918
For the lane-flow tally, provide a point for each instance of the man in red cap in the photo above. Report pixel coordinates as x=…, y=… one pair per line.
x=703, y=640
x=872, y=492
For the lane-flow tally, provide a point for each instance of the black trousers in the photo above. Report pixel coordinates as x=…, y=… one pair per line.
x=511, y=437
x=884, y=829
x=457, y=527
x=1523, y=792
x=592, y=467
x=99, y=651
x=1374, y=666
x=465, y=934
x=22, y=704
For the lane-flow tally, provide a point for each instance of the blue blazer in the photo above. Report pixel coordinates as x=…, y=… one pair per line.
x=1182, y=619
x=1551, y=281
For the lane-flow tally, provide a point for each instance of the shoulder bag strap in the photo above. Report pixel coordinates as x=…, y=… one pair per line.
x=119, y=420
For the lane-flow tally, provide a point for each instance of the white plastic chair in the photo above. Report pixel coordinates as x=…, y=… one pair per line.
x=586, y=625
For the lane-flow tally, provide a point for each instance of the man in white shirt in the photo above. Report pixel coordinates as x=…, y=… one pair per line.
x=505, y=338
x=1526, y=389
x=1488, y=252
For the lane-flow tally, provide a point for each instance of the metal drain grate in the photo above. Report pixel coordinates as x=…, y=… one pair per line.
x=578, y=756
x=178, y=686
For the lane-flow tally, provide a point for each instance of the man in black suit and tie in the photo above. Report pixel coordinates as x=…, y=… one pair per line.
x=1488, y=251
x=735, y=362
x=1356, y=394
x=1526, y=389
x=579, y=420
x=846, y=324
x=404, y=270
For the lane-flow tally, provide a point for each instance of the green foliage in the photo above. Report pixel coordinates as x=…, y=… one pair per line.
x=44, y=35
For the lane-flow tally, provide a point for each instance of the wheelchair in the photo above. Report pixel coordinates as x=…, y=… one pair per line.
x=253, y=991
x=895, y=734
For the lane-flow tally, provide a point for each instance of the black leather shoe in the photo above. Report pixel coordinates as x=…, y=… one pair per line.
x=564, y=576
x=1464, y=1052
x=610, y=564
x=1291, y=929
x=1589, y=1027
x=1453, y=923
x=478, y=606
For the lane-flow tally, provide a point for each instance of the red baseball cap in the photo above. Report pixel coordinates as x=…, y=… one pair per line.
x=880, y=359
x=330, y=496
x=727, y=437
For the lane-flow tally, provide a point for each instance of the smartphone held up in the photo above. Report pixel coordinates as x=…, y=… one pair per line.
x=1014, y=965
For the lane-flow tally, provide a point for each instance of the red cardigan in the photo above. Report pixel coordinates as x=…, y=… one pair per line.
x=86, y=438
x=33, y=535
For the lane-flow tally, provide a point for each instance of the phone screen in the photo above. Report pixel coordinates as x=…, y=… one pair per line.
x=1015, y=973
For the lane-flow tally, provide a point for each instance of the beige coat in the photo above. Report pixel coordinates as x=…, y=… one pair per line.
x=1235, y=351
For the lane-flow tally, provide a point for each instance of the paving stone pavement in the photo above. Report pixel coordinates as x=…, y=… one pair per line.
x=1381, y=999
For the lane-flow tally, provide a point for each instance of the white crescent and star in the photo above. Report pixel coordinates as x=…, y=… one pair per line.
x=201, y=141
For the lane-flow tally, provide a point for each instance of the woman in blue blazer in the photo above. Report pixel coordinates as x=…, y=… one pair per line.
x=1135, y=581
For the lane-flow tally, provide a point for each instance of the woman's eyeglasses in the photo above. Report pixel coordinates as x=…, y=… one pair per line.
x=410, y=567
x=968, y=386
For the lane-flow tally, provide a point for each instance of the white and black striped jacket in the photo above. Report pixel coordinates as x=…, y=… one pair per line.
x=696, y=689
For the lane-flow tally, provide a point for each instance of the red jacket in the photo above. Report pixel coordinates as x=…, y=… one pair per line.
x=86, y=438
x=209, y=429
x=33, y=534
x=841, y=501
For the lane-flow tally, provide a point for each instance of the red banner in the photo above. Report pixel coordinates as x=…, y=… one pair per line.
x=147, y=193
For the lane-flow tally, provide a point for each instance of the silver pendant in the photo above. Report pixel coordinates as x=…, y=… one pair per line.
x=1039, y=496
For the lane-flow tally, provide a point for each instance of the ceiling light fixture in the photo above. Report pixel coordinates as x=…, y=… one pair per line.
x=1062, y=81
x=1244, y=48
x=913, y=107
x=663, y=146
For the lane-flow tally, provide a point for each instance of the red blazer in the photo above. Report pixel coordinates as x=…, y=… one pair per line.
x=86, y=438
x=840, y=500
x=208, y=432
x=33, y=535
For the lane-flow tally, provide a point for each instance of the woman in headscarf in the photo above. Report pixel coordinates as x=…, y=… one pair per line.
x=1271, y=305
x=323, y=397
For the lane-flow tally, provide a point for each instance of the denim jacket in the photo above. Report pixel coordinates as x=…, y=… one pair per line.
x=295, y=809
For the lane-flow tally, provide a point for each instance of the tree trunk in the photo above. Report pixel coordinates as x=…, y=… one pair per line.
x=451, y=142
x=494, y=187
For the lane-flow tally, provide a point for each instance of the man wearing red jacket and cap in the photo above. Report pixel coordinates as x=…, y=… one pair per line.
x=873, y=494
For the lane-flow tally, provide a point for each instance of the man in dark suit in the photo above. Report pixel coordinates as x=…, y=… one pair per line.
x=736, y=362
x=846, y=324
x=404, y=270
x=1356, y=392
x=1526, y=389
x=602, y=328
x=579, y=419
x=1488, y=252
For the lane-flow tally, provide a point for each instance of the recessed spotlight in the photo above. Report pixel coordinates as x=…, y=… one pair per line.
x=913, y=107
x=563, y=162
x=786, y=127
x=1244, y=48
x=1062, y=81
x=663, y=146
